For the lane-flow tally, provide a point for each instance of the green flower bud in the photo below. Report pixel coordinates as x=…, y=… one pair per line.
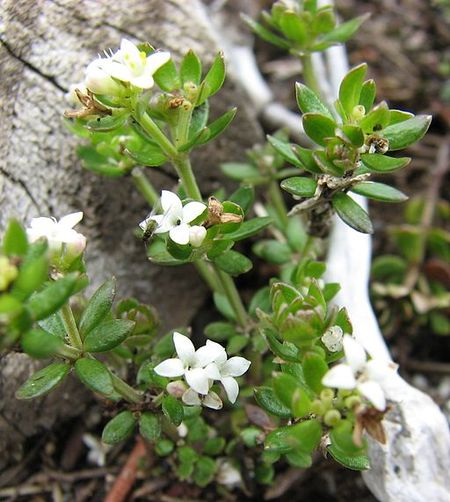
x=331, y=418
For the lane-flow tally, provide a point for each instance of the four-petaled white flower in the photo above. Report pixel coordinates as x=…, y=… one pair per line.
x=200, y=368
x=176, y=220
x=59, y=234
x=129, y=65
x=367, y=376
x=332, y=338
x=190, y=363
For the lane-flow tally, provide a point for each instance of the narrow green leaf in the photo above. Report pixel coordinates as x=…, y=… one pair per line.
x=43, y=381
x=289, y=392
x=306, y=158
x=266, y=398
x=167, y=77
x=309, y=102
x=223, y=306
x=265, y=34
x=293, y=27
x=108, y=123
x=98, y=163
x=32, y=274
x=191, y=68
x=107, y=335
x=95, y=376
x=15, y=239
x=217, y=127
x=354, y=462
x=368, y=94
x=204, y=471
x=148, y=155
x=319, y=127
x=352, y=213
x=286, y=351
x=240, y=171
x=382, y=163
x=354, y=135
x=233, y=263
x=350, y=88
x=300, y=186
x=244, y=196
x=213, y=80
x=379, y=191
x=376, y=119
x=340, y=34
x=119, y=428
x=273, y=251
x=150, y=426
x=250, y=228
x=314, y=368
x=220, y=331
x=325, y=164
x=98, y=306
x=173, y=409
x=406, y=133
x=39, y=343
x=285, y=150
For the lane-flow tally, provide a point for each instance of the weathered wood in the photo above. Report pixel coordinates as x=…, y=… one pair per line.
x=45, y=47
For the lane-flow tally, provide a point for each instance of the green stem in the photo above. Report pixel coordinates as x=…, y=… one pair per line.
x=309, y=75
x=208, y=275
x=151, y=127
x=277, y=201
x=125, y=390
x=184, y=169
x=71, y=327
x=68, y=352
x=232, y=294
x=144, y=186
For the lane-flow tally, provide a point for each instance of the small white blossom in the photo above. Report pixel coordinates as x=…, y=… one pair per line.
x=227, y=474
x=190, y=363
x=60, y=234
x=176, y=220
x=97, y=450
x=98, y=79
x=367, y=376
x=332, y=338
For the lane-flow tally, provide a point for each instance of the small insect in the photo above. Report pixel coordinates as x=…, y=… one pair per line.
x=216, y=214
x=148, y=226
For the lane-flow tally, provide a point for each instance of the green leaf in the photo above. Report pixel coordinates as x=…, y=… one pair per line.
x=299, y=459
x=309, y=102
x=220, y=331
x=368, y=94
x=108, y=335
x=52, y=298
x=237, y=343
x=119, y=428
x=406, y=133
x=396, y=116
x=389, y=268
x=164, y=447
x=341, y=437
x=39, y=343
x=15, y=241
x=167, y=77
x=43, y=381
x=307, y=435
x=376, y=119
x=233, y=263
x=157, y=253
x=223, y=306
x=350, y=88
x=240, y=171
x=352, y=213
x=217, y=127
x=204, y=471
x=273, y=251
x=108, y=123
x=32, y=274
x=340, y=34
x=293, y=27
x=314, y=368
x=285, y=150
x=187, y=457
x=286, y=351
x=265, y=34
x=191, y=68
x=306, y=158
x=319, y=127
x=266, y=398
x=260, y=300
x=98, y=306
x=353, y=135
x=354, y=462
x=146, y=155
x=324, y=21
x=213, y=80
x=379, y=191
x=244, y=196
x=95, y=376
x=54, y=325
x=382, y=163
x=150, y=426
x=98, y=163
x=300, y=186
x=173, y=409
x=214, y=446
x=289, y=392
x=250, y=228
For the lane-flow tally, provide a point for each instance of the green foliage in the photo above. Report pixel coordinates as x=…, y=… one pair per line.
x=119, y=428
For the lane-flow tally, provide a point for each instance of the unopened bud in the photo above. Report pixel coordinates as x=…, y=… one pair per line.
x=176, y=389
x=331, y=417
x=197, y=235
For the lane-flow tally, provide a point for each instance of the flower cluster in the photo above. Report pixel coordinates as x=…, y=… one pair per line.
x=200, y=368
x=367, y=376
x=61, y=237
x=177, y=220
x=128, y=65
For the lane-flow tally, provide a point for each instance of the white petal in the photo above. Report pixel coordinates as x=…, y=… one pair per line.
x=208, y=353
x=155, y=61
x=213, y=372
x=180, y=234
x=170, y=368
x=379, y=370
x=354, y=353
x=374, y=393
x=118, y=70
x=339, y=377
x=191, y=398
x=231, y=388
x=192, y=210
x=143, y=81
x=235, y=366
x=70, y=220
x=128, y=48
x=165, y=222
x=43, y=224
x=184, y=347
x=198, y=380
x=213, y=401
x=171, y=202
x=197, y=235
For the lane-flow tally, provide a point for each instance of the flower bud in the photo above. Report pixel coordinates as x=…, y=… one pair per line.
x=197, y=235
x=176, y=389
x=331, y=417
x=99, y=81
x=332, y=338
x=8, y=272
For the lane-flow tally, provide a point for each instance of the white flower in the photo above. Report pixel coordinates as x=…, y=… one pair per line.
x=190, y=363
x=227, y=474
x=332, y=338
x=367, y=376
x=225, y=370
x=176, y=219
x=129, y=64
x=59, y=234
x=97, y=450
x=98, y=79
x=210, y=400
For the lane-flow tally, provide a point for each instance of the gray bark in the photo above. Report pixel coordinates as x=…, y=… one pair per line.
x=45, y=47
